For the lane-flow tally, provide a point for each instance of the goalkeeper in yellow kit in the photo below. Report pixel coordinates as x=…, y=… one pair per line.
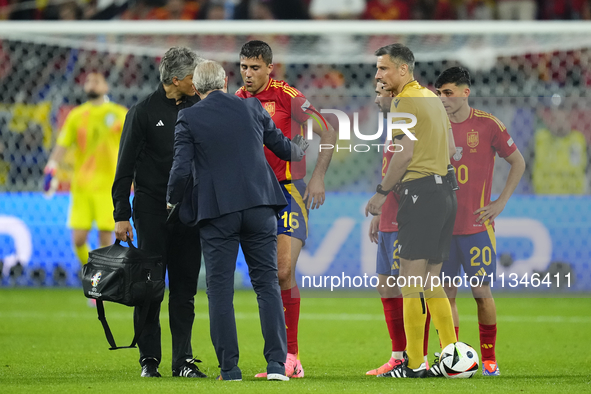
x=92, y=130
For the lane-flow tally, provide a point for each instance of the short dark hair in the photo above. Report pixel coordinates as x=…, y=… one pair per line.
x=400, y=54
x=255, y=48
x=456, y=75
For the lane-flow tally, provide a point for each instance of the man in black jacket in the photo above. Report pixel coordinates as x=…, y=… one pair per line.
x=145, y=157
x=219, y=146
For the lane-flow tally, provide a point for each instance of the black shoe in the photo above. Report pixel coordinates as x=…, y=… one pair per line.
x=189, y=370
x=403, y=371
x=435, y=370
x=150, y=368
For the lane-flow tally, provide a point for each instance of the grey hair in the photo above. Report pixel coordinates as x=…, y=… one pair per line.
x=177, y=62
x=208, y=76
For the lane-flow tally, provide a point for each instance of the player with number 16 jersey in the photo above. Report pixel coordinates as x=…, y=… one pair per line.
x=290, y=111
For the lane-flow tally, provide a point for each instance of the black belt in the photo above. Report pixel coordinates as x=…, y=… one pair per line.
x=438, y=179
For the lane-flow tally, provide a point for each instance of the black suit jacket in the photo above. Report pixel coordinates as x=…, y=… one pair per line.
x=219, y=143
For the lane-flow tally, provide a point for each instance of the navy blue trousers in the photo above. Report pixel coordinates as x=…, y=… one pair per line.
x=255, y=229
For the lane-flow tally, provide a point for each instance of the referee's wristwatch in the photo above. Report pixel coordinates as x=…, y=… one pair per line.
x=382, y=191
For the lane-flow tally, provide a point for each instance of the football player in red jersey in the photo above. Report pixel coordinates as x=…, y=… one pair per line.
x=479, y=136
x=290, y=111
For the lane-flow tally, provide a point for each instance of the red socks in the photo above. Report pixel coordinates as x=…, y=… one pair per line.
x=426, y=338
x=457, y=333
x=395, y=322
x=488, y=339
x=291, y=308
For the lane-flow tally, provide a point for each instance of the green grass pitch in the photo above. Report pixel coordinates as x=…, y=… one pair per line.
x=52, y=342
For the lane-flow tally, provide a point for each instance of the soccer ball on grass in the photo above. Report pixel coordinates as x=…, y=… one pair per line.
x=458, y=360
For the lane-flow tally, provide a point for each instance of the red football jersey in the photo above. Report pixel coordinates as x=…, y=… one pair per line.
x=478, y=139
x=287, y=106
x=388, y=221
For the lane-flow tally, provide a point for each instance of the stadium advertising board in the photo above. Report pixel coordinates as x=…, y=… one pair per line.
x=540, y=240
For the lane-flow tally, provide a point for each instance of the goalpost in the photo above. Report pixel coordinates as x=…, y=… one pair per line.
x=42, y=63
x=516, y=68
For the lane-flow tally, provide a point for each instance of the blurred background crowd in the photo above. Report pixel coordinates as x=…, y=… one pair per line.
x=536, y=81
x=513, y=75
x=545, y=110
x=295, y=9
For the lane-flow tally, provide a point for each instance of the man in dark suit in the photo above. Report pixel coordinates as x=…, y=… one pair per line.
x=235, y=199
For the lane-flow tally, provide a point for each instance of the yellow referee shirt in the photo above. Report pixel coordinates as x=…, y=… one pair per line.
x=94, y=131
x=431, y=154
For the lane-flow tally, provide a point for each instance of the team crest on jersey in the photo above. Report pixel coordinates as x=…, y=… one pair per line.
x=270, y=107
x=458, y=155
x=473, y=139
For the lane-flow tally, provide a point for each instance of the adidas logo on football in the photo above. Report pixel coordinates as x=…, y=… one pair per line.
x=159, y=123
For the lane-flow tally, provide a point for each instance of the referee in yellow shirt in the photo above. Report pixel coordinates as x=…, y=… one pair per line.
x=93, y=131
x=428, y=205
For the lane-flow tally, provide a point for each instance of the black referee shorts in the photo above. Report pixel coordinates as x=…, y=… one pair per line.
x=426, y=217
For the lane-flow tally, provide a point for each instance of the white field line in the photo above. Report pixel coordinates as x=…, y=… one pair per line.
x=115, y=315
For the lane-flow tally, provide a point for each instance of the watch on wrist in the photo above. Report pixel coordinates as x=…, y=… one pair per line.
x=382, y=191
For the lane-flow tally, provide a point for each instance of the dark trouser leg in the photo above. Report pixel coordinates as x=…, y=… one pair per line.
x=220, y=241
x=259, y=243
x=184, y=263
x=152, y=237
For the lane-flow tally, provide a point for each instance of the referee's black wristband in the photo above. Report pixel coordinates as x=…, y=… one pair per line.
x=382, y=191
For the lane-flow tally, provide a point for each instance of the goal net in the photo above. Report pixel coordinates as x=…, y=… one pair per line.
x=43, y=66
x=521, y=72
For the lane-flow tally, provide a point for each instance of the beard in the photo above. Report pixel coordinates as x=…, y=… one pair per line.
x=92, y=95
